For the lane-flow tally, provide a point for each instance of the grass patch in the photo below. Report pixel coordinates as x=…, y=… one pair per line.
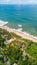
x=32, y=50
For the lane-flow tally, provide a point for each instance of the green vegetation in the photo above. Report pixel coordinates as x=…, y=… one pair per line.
x=32, y=50
x=19, y=51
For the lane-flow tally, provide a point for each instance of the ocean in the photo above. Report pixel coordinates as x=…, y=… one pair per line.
x=20, y=17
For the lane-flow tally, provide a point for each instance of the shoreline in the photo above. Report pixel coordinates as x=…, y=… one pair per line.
x=2, y=23
x=24, y=35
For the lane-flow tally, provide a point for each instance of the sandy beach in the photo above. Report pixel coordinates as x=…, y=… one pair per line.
x=24, y=35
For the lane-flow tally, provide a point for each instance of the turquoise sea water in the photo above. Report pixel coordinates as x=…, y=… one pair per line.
x=24, y=15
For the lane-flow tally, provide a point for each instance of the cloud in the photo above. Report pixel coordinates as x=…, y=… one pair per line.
x=18, y=1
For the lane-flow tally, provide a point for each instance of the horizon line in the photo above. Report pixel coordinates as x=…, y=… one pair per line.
x=16, y=4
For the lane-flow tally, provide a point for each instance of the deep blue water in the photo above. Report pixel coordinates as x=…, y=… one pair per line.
x=25, y=15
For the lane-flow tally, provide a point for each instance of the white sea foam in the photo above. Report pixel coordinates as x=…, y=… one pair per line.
x=2, y=23
x=26, y=33
x=19, y=25
x=35, y=37
x=19, y=29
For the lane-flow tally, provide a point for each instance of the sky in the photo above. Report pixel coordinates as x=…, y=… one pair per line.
x=18, y=1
